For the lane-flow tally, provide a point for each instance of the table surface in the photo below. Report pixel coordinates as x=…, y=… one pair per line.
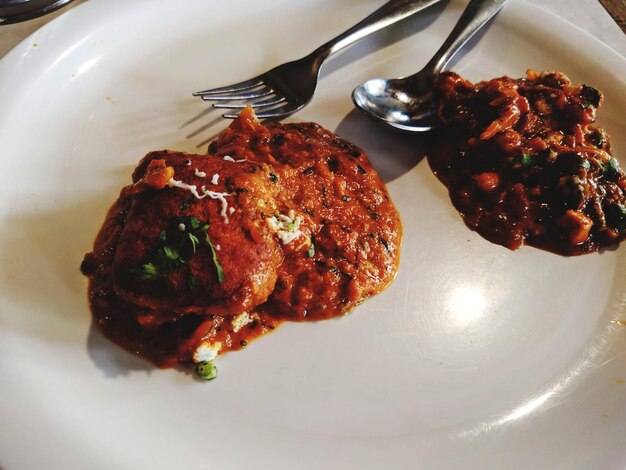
x=617, y=9
x=601, y=18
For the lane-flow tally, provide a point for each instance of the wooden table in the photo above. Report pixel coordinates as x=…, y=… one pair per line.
x=617, y=9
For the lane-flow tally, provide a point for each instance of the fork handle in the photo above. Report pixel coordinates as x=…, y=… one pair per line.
x=389, y=13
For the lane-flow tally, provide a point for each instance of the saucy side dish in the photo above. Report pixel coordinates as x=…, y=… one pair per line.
x=203, y=253
x=524, y=163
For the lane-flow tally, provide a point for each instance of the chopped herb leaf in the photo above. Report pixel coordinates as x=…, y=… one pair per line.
x=148, y=272
x=193, y=224
x=585, y=164
x=174, y=248
x=243, y=343
x=311, y=252
x=218, y=266
x=185, y=206
x=361, y=169
x=273, y=178
x=611, y=171
x=170, y=253
x=528, y=159
x=194, y=242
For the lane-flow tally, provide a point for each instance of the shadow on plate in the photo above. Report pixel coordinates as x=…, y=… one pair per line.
x=45, y=294
x=41, y=255
x=111, y=359
x=392, y=152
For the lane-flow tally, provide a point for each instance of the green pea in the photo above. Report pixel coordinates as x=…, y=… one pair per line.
x=206, y=370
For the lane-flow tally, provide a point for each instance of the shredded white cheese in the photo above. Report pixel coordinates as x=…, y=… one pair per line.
x=231, y=210
x=200, y=174
x=207, y=351
x=240, y=321
x=182, y=227
x=228, y=158
x=286, y=227
x=218, y=247
x=172, y=183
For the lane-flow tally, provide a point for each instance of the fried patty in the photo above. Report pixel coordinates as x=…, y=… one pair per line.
x=159, y=228
x=207, y=252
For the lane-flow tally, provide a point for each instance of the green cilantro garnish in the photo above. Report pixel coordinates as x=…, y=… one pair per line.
x=528, y=159
x=218, y=266
x=171, y=254
x=175, y=247
x=611, y=171
x=311, y=252
x=291, y=226
x=148, y=272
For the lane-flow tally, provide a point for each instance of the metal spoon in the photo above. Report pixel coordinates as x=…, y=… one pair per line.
x=408, y=103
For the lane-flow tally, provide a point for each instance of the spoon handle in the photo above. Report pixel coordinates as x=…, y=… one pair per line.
x=475, y=16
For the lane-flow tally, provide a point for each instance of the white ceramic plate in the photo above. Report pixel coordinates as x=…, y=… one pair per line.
x=476, y=357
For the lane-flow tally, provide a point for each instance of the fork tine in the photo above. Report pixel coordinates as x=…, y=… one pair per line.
x=280, y=112
x=241, y=86
x=242, y=96
x=255, y=104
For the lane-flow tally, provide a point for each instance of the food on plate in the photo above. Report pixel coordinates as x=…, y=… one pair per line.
x=203, y=253
x=524, y=163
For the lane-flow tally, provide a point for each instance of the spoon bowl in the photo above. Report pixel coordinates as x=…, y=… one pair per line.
x=409, y=103
x=398, y=103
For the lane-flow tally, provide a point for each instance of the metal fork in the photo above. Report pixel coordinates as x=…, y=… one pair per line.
x=287, y=88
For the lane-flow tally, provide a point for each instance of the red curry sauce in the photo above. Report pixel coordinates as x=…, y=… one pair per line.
x=304, y=229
